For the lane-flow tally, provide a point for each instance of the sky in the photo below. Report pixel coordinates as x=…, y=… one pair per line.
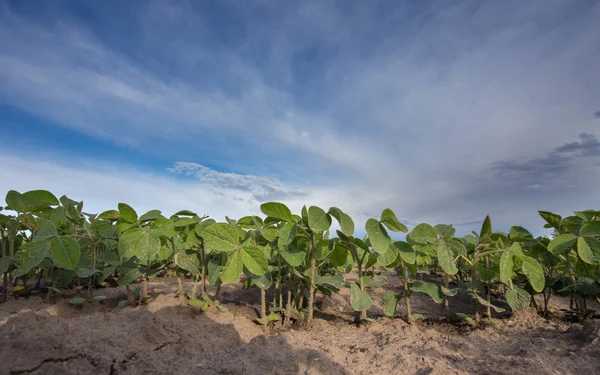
x=443, y=111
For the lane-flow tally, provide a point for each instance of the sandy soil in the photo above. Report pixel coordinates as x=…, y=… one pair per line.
x=165, y=336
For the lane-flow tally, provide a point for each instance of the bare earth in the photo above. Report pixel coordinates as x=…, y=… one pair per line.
x=165, y=337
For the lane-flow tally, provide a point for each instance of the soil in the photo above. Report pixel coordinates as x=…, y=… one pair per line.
x=166, y=336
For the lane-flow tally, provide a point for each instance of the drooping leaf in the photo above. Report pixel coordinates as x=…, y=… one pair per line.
x=345, y=221
x=588, y=249
x=233, y=268
x=407, y=253
x=277, y=210
x=484, y=302
x=423, y=234
x=4, y=264
x=534, y=273
x=336, y=281
x=507, y=266
x=390, y=303
x=339, y=255
x=389, y=219
x=254, y=259
x=377, y=236
x=127, y=213
x=359, y=299
x=431, y=289
x=554, y=220
x=517, y=298
x=561, y=243
x=65, y=252
x=446, y=258
x=318, y=219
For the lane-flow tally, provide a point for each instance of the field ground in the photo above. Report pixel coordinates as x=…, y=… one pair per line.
x=166, y=336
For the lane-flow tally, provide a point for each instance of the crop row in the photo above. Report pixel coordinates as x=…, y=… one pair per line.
x=291, y=257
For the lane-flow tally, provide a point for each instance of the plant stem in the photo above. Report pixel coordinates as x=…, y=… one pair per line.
x=473, y=282
x=93, y=266
x=409, y=318
x=288, y=305
x=263, y=308
x=311, y=292
x=446, y=304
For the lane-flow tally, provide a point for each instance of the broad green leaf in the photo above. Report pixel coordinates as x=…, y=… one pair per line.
x=339, y=255
x=423, y=234
x=16, y=202
x=128, y=275
x=150, y=215
x=377, y=236
x=336, y=281
x=277, y=210
x=127, y=213
x=517, y=298
x=221, y=237
x=431, y=289
x=318, y=220
x=446, y=258
x=588, y=249
x=233, y=268
x=86, y=272
x=345, y=221
x=534, y=273
x=554, y=220
x=484, y=302
x=389, y=219
x=139, y=242
x=31, y=255
x=255, y=260
x=293, y=254
x=110, y=215
x=389, y=257
x=65, y=252
x=28, y=220
x=287, y=234
x=40, y=198
x=519, y=234
x=486, y=228
x=189, y=261
x=263, y=281
x=164, y=227
x=46, y=230
x=561, y=243
x=103, y=228
x=507, y=266
x=407, y=253
x=185, y=213
x=390, y=303
x=359, y=299
x=269, y=234
x=591, y=229
x=444, y=231
x=184, y=222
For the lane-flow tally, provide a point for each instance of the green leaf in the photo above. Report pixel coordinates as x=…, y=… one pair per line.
x=486, y=228
x=46, y=230
x=185, y=213
x=40, y=198
x=16, y=202
x=554, y=220
x=377, y=236
x=77, y=301
x=431, y=289
x=128, y=275
x=150, y=215
x=269, y=234
x=590, y=229
x=127, y=213
x=203, y=305
x=444, y=231
x=184, y=222
x=407, y=253
x=31, y=255
x=336, y=281
x=484, y=302
x=164, y=227
x=561, y=243
x=534, y=273
x=517, y=298
x=345, y=221
x=233, y=268
x=389, y=257
x=287, y=234
x=389, y=219
x=65, y=252
x=86, y=272
x=139, y=242
x=446, y=258
x=293, y=254
x=519, y=234
x=507, y=266
x=255, y=260
x=189, y=261
x=423, y=234
x=277, y=210
x=103, y=228
x=588, y=249
x=109, y=215
x=263, y=281
x=339, y=255
x=390, y=303
x=220, y=237
x=359, y=299
x=318, y=220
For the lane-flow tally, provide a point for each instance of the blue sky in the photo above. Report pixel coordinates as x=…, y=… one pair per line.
x=443, y=111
